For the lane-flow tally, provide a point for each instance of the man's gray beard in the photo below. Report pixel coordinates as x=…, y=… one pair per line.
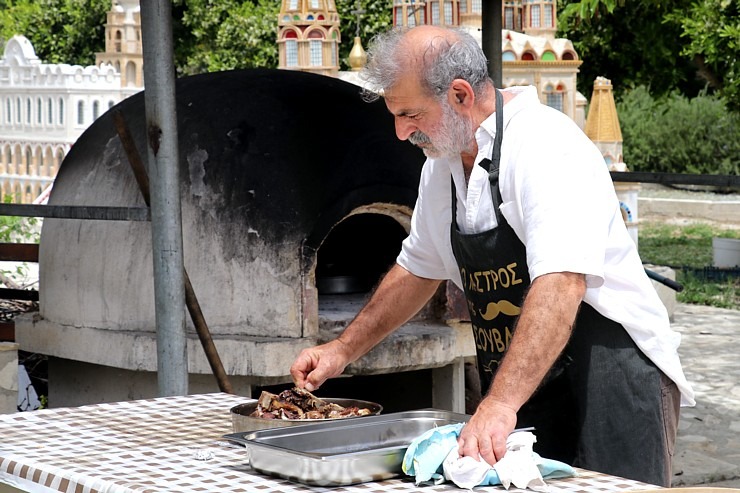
x=454, y=135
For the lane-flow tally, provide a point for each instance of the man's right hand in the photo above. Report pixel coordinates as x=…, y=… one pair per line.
x=399, y=296
x=315, y=365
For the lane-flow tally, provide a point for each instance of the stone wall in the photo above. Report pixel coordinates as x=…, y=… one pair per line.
x=667, y=295
x=8, y=377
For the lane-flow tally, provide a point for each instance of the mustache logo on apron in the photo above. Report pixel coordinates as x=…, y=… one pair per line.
x=493, y=309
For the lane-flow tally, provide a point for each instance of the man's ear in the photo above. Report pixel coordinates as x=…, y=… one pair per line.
x=460, y=95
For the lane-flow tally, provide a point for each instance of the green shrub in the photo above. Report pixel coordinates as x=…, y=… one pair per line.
x=679, y=135
x=15, y=229
x=688, y=249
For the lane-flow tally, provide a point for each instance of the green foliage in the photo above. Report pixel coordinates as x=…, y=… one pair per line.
x=700, y=291
x=61, y=31
x=18, y=229
x=632, y=45
x=586, y=9
x=712, y=28
x=661, y=45
x=687, y=247
x=227, y=34
x=675, y=134
x=680, y=245
x=377, y=18
x=15, y=229
x=684, y=44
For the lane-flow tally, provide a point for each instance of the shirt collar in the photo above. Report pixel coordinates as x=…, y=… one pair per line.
x=485, y=134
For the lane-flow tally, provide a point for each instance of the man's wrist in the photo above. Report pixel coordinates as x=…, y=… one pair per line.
x=345, y=349
x=493, y=401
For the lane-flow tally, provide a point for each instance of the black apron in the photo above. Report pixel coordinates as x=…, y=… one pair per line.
x=494, y=285
x=599, y=382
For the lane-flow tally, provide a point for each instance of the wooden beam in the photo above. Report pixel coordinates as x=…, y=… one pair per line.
x=19, y=252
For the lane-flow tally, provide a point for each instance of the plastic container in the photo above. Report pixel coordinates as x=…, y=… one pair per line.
x=726, y=252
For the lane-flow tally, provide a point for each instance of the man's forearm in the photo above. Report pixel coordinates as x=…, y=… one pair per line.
x=399, y=297
x=542, y=331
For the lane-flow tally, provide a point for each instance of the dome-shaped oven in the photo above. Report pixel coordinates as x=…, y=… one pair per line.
x=270, y=162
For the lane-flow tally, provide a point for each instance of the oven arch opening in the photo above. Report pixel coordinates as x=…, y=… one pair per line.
x=357, y=252
x=363, y=246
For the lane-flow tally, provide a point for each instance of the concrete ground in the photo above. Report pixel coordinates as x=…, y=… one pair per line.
x=708, y=446
x=680, y=206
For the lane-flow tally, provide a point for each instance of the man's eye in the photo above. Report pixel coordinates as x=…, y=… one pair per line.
x=415, y=116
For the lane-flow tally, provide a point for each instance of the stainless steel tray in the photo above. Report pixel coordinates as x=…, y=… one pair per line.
x=341, y=452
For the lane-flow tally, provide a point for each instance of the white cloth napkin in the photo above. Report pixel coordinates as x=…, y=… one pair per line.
x=434, y=457
x=465, y=472
x=517, y=467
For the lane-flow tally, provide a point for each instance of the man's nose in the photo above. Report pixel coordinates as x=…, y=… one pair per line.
x=404, y=129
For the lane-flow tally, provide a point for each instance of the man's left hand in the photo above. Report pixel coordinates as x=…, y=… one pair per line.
x=484, y=436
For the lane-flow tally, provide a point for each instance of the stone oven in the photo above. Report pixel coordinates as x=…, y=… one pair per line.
x=296, y=196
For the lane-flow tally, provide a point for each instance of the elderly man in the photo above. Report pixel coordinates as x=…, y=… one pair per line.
x=516, y=206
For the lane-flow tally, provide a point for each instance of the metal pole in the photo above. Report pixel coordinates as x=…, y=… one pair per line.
x=491, y=26
x=163, y=161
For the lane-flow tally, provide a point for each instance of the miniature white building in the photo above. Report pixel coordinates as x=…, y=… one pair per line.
x=44, y=108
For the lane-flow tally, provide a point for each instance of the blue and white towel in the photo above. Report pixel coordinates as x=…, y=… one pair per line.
x=433, y=457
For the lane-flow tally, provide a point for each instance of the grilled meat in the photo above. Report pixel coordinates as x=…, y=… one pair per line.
x=298, y=403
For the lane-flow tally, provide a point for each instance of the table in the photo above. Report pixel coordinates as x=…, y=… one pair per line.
x=171, y=444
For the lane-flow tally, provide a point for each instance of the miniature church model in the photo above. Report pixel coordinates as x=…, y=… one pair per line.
x=123, y=47
x=308, y=36
x=602, y=127
x=435, y=12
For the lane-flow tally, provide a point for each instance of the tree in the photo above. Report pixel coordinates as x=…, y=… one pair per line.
x=226, y=34
x=689, y=45
x=61, y=31
x=376, y=17
x=712, y=28
x=631, y=45
x=683, y=44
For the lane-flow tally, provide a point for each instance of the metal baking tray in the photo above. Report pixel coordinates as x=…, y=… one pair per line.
x=340, y=452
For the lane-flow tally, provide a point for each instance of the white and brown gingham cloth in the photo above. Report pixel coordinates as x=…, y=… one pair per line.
x=170, y=444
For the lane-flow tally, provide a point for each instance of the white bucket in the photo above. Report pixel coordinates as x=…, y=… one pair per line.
x=726, y=252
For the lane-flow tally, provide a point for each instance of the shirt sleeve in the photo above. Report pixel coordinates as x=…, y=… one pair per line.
x=430, y=224
x=567, y=200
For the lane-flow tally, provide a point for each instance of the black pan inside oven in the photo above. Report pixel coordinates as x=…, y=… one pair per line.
x=357, y=253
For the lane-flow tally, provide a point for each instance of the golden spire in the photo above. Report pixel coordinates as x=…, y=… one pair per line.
x=602, y=124
x=357, y=56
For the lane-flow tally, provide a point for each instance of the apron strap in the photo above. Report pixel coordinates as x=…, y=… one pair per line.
x=491, y=165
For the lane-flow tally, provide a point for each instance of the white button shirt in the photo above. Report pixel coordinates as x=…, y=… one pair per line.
x=560, y=200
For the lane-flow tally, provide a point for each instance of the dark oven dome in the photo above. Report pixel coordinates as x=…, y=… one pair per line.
x=271, y=161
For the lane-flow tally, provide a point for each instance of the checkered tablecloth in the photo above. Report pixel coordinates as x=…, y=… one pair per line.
x=169, y=444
